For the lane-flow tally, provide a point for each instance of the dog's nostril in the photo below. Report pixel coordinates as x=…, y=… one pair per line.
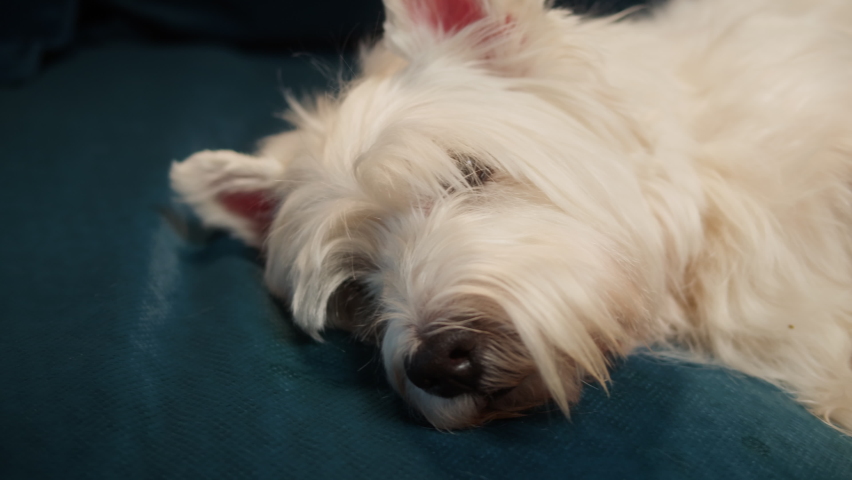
x=446, y=364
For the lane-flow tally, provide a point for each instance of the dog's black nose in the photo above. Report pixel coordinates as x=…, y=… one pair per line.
x=446, y=364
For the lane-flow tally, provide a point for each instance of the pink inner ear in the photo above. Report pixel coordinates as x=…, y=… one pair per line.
x=446, y=15
x=256, y=207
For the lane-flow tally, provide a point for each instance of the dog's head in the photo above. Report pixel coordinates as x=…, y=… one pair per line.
x=469, y=203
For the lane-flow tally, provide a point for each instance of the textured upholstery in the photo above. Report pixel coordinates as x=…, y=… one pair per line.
x=126, y=352
x=29, y=29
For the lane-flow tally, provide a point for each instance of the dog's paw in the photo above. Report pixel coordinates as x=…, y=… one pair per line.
x=230, y=190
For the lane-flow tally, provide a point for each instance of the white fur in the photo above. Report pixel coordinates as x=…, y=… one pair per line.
x=207, y=174
x=678, y=179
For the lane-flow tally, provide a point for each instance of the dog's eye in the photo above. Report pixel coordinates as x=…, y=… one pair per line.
x=353, y=307
x=475, y=172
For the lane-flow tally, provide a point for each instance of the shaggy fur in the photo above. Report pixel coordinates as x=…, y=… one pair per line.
x=569, y=190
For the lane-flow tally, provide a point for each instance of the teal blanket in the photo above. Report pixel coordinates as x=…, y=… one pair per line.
x=126, y=352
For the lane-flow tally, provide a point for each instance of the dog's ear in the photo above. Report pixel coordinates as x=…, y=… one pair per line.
x=232, y=191
x=413, y=26
x=438, y=17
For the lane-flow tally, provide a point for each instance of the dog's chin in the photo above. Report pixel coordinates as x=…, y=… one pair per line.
x=471, y=410
x=445, y=413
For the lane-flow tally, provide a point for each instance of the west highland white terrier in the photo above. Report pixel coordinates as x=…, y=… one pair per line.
x=509, y=196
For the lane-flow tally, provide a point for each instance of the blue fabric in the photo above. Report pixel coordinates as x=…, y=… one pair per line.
x=257, y=21
x=127, y=353
x=29, y=29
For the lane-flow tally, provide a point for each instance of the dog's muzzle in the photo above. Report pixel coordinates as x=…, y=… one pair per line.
x=446, y=364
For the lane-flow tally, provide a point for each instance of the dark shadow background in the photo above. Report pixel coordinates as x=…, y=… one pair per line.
x=31, y=30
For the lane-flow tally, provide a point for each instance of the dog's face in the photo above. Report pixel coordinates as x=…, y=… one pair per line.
x=469, y=204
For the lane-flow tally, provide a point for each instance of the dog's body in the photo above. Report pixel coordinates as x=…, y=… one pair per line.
x=510, y=196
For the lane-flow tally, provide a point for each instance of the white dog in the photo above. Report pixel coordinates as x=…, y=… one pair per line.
x=510, y=196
